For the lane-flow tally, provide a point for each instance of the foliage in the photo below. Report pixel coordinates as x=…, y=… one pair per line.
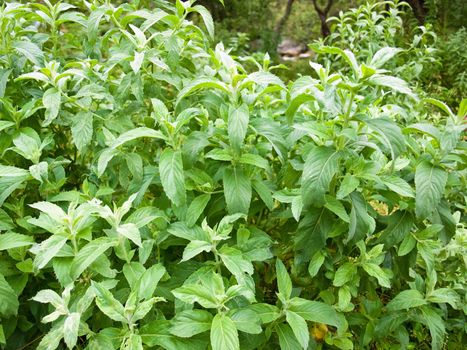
x=433, y=65
x=450, y=72
x=156, y=193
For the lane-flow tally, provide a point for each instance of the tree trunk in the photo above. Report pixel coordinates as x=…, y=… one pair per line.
x=283, y=20
x=323, y=16
x=419, y=10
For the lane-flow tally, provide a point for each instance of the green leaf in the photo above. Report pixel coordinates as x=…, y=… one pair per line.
x=9, y=184
x=4, y=74
x=347, y=55
x=46, y=250
x=6, y=224
x=344, y=274
x=264, y=78
x=398, y=185
x=337, y=208
x=224, y=335
x=399, y=226
x=138, y=60
x=52, y=339
x=194, y=248
x=133, y=272
x=106, y=156
x=31, y=51
x=274, y=133
x=425, y=128
x=406, y=299
x=255, y=160
x=131, y=232
x=196, y=293
x=235, y=262
x=299, y=328
x=383, y=55
x=430, y=181
x=157, y=333
x=219, y=154
x=149, y=279
x=436, y=326
x=315, y=263
x=246, y=320
x=266, y=312
x=46, y=296
x=238, y=125
x=188, y=323
x=377, y=272
x=144, y=308
x=82, y=130
x=389, y=134
x=136, y=134
x=284, y=282
x=443, y=106
x=295, y=104
x=287, y=339
x=237, y=190
x=264, y=193
x=51, y=101
x=361, y=223
x=70, y=329
x=135, y=342
x=54, y=211
x=88, y=254
x=11, y=240
x=196, y=208
x=199, y=84
x=9, y=301
x=5, y=124
x=445, y=295
x=297, y=207
x=106, y=302
x=172, y=176
x=321, y=164
x=393, y=83
x=11, y=171
x=366, y=71
x=207, y=19
x=407, y=245
x=315, y=311
x=181, y=230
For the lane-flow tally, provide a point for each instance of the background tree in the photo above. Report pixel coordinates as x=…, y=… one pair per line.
x=323, y=16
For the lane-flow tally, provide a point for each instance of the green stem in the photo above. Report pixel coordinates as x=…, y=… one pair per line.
x=349, y=109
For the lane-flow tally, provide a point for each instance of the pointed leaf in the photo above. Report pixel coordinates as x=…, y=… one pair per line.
x=284, y=282
x=224, y=335
x=172, y=176
x=70, y=329
x=106, y=302
x=299, y=328
x=321, y=164
x=238, y=125
x=88, y=254
x=430, y=181
x=406, y=299
x=11, y=240
x=237, y=190
x=9, y=301
x=188, y=323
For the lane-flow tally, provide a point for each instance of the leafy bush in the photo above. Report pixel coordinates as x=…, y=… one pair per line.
x=156, y=194
x=451, y=74
x=435, y=66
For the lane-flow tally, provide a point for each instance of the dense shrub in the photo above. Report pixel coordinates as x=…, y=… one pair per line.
x=157, y=194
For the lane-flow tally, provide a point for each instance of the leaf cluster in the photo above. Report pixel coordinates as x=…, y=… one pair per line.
x=157, y=194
